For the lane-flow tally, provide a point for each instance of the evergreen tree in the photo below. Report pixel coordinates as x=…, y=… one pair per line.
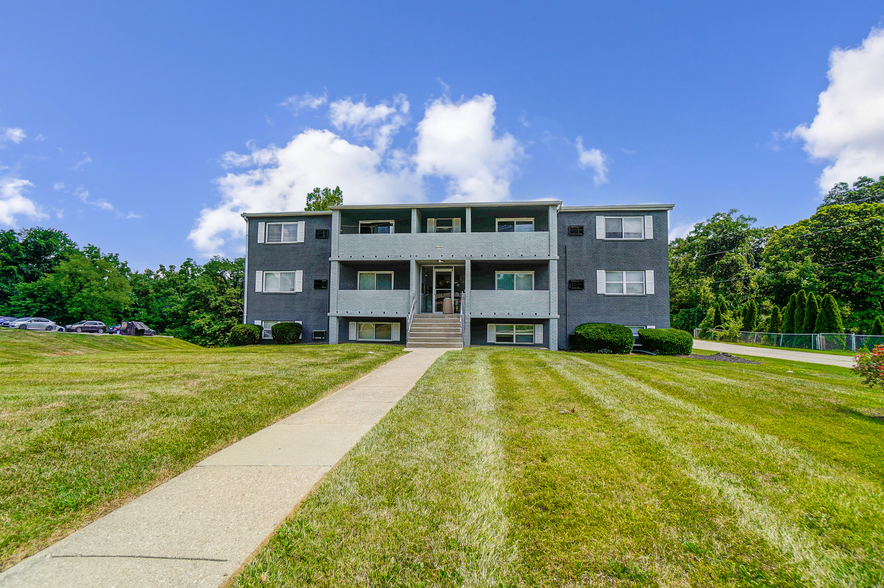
x=829, y=319
x=789, y=315
x=775, y=320
x=717, y=317
x=811, y=312
x=750, y=316
x=878, y=326
x=800, y=310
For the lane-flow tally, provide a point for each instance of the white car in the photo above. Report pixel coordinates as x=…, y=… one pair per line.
x=36, y=323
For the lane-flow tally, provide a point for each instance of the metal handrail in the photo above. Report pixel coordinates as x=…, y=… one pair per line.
x=463, y=299
x=410, y=318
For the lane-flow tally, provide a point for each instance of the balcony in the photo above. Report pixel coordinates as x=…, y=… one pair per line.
x=445, y=246
x=389, y=303
x=512, y=304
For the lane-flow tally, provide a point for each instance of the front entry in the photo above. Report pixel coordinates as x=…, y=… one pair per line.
x=443, y=282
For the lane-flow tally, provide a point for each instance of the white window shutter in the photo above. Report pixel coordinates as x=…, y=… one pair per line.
x=599, y=227
x=457, y=225
x=260, y=232
x=299, y=281
x=393, y=227
x=538, y=334
x=491, y=333
x=600, y=281
x=301, y=335
x=352, y=330
x=394, y=335
x=259, y=323
x=301, y=230
x=259, y=281
x=431, y=225
x=649, y=227
x=650, y=327
x=649, y=281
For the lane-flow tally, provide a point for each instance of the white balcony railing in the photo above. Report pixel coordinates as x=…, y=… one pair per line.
x=373, y=303
x=513, y=304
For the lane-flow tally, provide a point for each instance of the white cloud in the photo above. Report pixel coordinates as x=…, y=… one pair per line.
x=14, y=135
x=13, y=201
x=306, y=100
x=58, y=186
x=132, y=215
x=83, y=195
x=848, y=129
x=83, y=162
x=378, y=123
x=457, y=141
x=595, y=159
x=40, y=138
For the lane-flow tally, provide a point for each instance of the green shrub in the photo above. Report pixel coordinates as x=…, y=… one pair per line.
x=286, y=333
x=666, y=341
x=604, y=338
x=776, y=322
x=245, y=335
x=811, y=312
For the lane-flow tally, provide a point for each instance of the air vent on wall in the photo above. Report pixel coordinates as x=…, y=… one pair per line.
x=320, y=284
x=319, y=335
x=322, y=233
x=575, y=285
x=575, y=231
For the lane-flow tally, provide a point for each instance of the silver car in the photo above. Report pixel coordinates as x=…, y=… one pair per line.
x=35, y=323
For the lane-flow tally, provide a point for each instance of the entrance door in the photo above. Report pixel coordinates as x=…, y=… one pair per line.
x=443, y=281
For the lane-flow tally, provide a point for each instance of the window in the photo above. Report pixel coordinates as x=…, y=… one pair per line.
x=515, y=225
x=513, y=334
x=281, y=233
x=515, y=281
x=375, y=280
x=575, y=284
x=320, y=284
x=322, y=233
x=319, y=335
x=575, y=231
x=376, y=227
x=267, y=326
x=624, y=282
x=280, y=281
x=627, y=227
x=374, y=331
x=443, y=225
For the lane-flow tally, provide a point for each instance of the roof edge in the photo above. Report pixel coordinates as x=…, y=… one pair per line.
x=618, y=207
x=449, y=204
x=248, y=215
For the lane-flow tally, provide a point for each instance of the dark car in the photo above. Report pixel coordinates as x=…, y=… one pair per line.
x=87, y=327
x=114, y=330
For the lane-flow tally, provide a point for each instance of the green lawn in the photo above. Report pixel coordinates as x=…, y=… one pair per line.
x=661, y=472
x=831, y=352
x=87, y=422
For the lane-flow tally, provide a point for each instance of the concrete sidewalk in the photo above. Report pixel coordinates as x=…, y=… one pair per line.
x=199, y=528
x=775, y=353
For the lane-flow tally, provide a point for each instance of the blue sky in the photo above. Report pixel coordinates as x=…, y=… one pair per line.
x=147, y=129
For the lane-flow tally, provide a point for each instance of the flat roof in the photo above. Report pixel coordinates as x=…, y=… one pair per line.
x=450, y=204
x=618, y=207
x=292, y=213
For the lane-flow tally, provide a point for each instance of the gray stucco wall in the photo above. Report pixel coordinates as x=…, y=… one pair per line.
x=309, y=306
x=581, y=257
x=479, y=331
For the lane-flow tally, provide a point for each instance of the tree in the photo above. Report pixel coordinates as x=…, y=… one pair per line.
x=775, y=324
x=800, y=311
x=811, y=311
x=829, y=319
x=750, y=316
x=79, y=288
x=323, y=199
x=789, y=315
x=28, y=255
x=865, y=189
x=877, y=326
x=718, y=317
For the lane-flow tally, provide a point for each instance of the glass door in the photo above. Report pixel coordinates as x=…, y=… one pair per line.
x=443, y=281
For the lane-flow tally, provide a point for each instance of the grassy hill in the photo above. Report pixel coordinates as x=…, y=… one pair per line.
x=18, y=345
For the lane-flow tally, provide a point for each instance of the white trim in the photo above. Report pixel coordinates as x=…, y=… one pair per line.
x=490, y=334
x=456, y=223
x=649, y=226
x=396, y=336
x=624, y=282
x=299, y=280
x=514, y=272
x=649, y=281
x=301, y=230
x=394, y=331
x=493, y=334
x=259, y=281
x=497, y=222
x=601, y=280
x=538, y=334
x=368, y=222
x=261, y=232
x=352, y=328
x=600, y=227
x=431, y=225
x=359, y=280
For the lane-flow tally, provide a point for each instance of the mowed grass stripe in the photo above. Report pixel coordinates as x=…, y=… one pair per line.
x=82, y=433
x=794, y=481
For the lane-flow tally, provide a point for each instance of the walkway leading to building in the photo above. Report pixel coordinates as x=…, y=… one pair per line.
x=776, y=353
x=200, y=528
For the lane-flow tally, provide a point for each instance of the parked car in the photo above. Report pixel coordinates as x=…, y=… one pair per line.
x=114, y=330
x=87, y=327
x=36, y=323
x=5, y=320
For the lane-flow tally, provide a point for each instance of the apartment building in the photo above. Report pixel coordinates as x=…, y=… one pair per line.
x=511, y=273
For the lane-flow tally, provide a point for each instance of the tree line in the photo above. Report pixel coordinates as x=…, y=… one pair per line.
x=728, y=270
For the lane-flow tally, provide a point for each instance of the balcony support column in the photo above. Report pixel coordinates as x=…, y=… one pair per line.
x=469, y=223
x=415, y=221
x=553, y=305
x=467, y=290
x=333, y=286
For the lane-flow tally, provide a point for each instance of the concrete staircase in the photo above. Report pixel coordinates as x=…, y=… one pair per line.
x=435, y=330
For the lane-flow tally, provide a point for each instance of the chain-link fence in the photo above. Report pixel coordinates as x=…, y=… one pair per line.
x=818, y=341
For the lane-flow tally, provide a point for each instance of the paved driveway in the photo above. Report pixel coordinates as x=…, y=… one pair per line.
x=775, y=353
